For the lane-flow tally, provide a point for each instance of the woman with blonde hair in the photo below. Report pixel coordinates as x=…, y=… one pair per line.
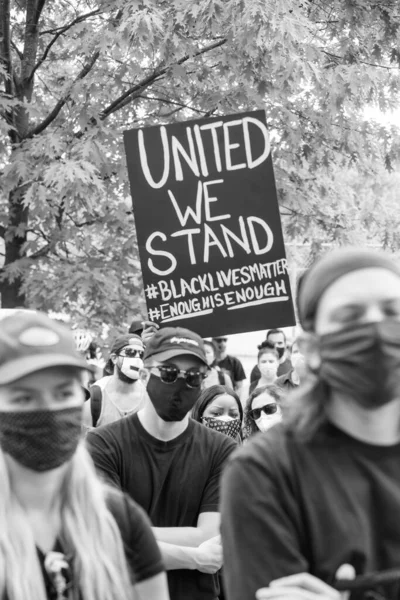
x=63, y=533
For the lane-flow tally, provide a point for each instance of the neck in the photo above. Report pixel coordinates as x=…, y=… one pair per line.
x=155, y=426
x=222, y=355
x=380, y=426
x=120, y=387
x=36, y=491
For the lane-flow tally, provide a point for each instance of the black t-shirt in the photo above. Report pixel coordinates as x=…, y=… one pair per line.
x=141, y=549
x=173, y=481
x=234, y=368
x=290, y=506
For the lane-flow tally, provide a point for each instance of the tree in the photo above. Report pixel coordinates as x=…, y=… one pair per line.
x=76, y=74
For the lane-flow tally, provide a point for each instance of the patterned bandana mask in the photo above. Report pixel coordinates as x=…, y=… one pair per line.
x=230, y=427
x=41, y=440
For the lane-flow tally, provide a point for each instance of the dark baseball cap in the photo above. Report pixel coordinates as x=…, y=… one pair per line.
x=128, y=339
x=30, y=342
x=136, y=327
x=174, y=341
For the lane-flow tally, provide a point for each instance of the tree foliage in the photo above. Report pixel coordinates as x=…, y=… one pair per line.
x=75, y=75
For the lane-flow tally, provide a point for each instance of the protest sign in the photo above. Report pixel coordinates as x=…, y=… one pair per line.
x=208, y=225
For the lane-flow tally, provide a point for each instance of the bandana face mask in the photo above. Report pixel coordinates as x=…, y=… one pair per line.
x=41, y=440
x=363, y=362
x=228, y=426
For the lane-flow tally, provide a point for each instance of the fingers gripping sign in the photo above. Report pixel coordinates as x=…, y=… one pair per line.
x=304, y=586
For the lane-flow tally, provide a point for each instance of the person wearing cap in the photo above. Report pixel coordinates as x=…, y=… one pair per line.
x=319, y=493
x=63, y=533
x=170, y=464
x=122, y=392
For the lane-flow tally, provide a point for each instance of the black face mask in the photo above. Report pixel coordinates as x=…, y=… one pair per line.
x=172, y=401
x=363, y=362
x=41, y=440
x=280, y=350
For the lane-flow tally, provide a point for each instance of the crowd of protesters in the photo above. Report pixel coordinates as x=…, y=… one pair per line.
x=151, y=473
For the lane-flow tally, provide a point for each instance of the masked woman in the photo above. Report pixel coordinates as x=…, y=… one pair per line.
x=262, y=409
x=219, y=408
x=63, y=534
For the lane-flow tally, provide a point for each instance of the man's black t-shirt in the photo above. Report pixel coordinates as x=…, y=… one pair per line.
x=234, y=368
x=173, y=481
x=291, y=506
x=141, y=549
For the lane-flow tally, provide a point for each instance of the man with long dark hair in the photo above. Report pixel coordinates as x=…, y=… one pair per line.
x=320, y=492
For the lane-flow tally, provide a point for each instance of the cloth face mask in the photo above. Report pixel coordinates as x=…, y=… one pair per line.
x=130, y=366
x=230, y=427
x=268, y=372
x=172, y=401
x=41, y=440
x=265, y=422
x=363, y=362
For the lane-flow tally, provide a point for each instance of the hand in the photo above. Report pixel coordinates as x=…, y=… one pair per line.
x=149, y=329
x=208, y=556
x=304, y=586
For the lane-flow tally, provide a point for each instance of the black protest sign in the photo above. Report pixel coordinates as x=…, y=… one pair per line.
x=208, y=225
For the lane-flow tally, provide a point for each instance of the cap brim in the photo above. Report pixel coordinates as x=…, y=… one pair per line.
x=167, y=354
x=16, y=369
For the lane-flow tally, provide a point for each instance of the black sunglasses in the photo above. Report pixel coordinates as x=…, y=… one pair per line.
x=170, y=373
x=131, y=353
x=268, y=409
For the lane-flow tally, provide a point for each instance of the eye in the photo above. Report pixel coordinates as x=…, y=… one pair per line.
x=22, y=399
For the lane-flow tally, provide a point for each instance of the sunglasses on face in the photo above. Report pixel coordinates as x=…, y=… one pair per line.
x=268, y=409
x=131, y=353
x=170, y=373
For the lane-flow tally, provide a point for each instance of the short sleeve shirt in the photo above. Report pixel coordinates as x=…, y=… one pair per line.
x=234, y=368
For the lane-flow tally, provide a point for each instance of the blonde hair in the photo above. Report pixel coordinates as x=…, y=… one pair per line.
x=89, y=534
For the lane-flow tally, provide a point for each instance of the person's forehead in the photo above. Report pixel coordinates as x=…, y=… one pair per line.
x=262, y=400
x=276, y=337
x=363, y=287
x=223, y=400
x=268, y=356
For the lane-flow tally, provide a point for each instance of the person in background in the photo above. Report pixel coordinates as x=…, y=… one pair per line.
x=267, y=363
x=262, y=409
x=214, y=374
x=320, y=493
x=277, y=338
x=170, y=464
x=292, y=379
x=63, y=533
x=229, y=364
x=122, y=392
x=219, y=408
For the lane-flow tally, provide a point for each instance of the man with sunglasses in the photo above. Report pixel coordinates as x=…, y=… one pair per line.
x=170, y=464
x=122, y=392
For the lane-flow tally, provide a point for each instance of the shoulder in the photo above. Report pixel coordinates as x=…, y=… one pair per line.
x=113, y=433
x=102, y=382
x=269, y=451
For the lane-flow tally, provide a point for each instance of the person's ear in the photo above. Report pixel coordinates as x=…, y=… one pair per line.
x=309, y=347
x=114, y=358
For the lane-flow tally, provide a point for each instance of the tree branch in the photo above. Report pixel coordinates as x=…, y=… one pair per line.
x=167, y=101
x=53, y=114
x=136, y=89
x=5, y=47
x=61, y=31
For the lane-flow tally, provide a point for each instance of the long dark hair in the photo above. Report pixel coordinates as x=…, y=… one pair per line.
x=208, y=395
x=304, y=409
x=249, y=426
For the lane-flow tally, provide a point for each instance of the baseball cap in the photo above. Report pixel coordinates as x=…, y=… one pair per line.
x=174, y=341
x=136, y=327
x=128, y=339
x=31, y=341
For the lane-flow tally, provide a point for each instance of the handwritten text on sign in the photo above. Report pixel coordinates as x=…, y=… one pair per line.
x=208, y=224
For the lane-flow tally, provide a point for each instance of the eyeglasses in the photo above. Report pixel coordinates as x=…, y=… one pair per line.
x=268, y=409
x=170, y=373
x=131, y=353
